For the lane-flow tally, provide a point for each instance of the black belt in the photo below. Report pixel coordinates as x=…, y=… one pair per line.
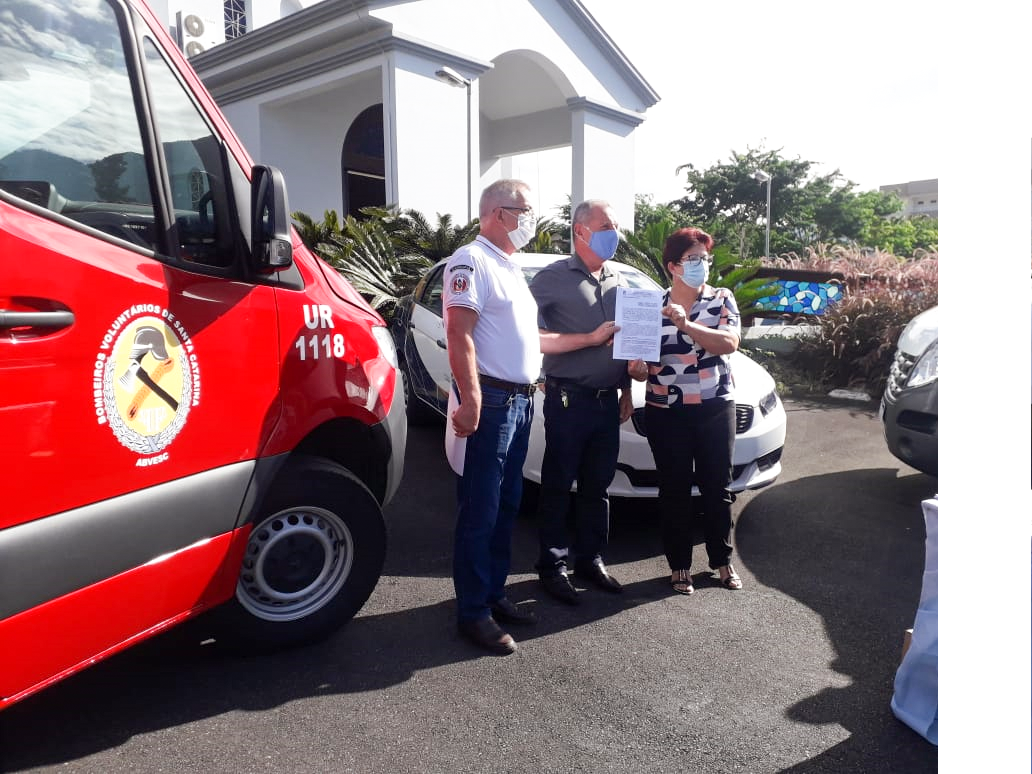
x=501, y=384
x=580, y=389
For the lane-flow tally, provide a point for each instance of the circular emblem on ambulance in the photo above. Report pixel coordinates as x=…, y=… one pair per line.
x=146, y=379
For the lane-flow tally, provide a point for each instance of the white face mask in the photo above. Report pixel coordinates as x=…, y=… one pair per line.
x=524, y=231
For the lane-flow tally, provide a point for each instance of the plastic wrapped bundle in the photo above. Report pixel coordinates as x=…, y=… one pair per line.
x=939, y=683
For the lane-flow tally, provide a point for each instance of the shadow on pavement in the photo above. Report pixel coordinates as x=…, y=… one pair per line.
x=173, y=680
x=850, y=546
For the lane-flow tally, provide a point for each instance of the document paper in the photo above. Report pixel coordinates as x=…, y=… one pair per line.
x=641, y=323
x=454, y=447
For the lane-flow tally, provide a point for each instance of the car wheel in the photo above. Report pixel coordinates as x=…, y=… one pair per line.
x=313, y=558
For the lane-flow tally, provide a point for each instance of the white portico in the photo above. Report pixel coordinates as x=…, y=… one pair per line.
x=422, y=103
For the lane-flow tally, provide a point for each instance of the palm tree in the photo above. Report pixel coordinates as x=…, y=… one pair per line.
x=549, y=237
x=314, y=233
x=644, y=250
x=364, y=253
x=412, y=234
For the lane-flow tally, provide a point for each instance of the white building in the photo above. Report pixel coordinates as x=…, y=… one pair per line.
x=942, y=197
x=422, y=103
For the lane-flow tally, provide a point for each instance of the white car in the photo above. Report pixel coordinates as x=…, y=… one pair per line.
x=418, y=327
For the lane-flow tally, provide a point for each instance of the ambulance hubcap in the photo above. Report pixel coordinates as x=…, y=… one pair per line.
x=295, y=562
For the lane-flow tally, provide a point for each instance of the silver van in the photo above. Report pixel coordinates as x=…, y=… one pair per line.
x=933, y=409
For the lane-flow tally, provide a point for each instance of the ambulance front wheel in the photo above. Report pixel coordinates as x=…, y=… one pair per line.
x=313, y=558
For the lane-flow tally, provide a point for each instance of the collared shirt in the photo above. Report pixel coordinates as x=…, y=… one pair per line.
x=481, y=277
x=686, y=372
x=571, y=300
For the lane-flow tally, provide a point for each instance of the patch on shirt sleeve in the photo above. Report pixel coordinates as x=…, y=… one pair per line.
x=461, y=267
x=460, y=283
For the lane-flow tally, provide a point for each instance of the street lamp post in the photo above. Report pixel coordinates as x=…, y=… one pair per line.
x=760, y=176
x=448, y=75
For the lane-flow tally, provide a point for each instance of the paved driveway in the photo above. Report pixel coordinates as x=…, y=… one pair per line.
x=792, y=674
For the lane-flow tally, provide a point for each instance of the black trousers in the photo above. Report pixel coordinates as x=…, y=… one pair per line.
x=582, y=442
x=693, y=445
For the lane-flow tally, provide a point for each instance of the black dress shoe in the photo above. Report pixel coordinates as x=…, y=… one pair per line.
x=488, y=635
x=504, y=610
x=597, y=574
x=559, y=586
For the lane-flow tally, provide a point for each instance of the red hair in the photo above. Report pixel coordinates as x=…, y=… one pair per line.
x=683, y=240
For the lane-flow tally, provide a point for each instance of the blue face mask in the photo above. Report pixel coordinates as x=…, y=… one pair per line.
x=603, y=243
x=694, y=275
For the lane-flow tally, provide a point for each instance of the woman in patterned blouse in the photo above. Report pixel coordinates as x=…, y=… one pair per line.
x=690, y=408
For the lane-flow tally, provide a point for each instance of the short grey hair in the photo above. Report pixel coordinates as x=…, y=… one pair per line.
x=583, y=212
x=501, y=193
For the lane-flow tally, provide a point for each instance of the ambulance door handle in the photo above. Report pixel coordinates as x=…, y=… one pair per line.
x=48, y=320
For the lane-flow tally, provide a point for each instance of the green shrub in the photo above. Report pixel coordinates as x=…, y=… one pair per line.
x=855, y=338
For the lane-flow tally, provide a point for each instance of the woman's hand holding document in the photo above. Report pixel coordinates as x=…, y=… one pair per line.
x=639, y=322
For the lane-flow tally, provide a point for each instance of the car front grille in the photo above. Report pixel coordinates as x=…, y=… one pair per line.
x=743, y=419
x=902, y=365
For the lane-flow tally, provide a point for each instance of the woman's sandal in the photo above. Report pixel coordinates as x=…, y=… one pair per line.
x=681, y=582
x=730, y=581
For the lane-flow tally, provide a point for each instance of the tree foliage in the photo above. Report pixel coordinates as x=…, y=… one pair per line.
x=384, y=253
x=805, y=208
x=364, y=252
x=550, y=236
x=643, y=249
x=412, y=234
x=854, y=341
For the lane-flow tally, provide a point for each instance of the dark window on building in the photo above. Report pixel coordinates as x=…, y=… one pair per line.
x=361, y=163
x=235, y=18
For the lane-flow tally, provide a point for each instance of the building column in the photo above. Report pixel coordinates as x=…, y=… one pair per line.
x=603, y=156
x=432, y=134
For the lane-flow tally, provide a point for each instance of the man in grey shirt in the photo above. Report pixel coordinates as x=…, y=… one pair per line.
x=587, y=396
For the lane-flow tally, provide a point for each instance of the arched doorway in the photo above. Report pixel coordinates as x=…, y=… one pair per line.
x=361, y=163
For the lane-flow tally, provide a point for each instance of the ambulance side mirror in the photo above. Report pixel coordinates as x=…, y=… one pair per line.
x=271, y=245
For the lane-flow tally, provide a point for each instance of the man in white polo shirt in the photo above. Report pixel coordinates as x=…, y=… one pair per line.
x=493, y=350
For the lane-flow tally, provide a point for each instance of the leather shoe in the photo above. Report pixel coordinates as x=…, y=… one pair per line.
x=488, y=635
x=597, y=574
x=559, y=586
x=504, y=610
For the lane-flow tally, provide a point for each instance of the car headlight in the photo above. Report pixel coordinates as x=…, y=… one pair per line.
x=386, y=342
x=926, y=369
x=768, y=402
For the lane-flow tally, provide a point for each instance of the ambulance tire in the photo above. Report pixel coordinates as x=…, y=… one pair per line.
x=313, y=558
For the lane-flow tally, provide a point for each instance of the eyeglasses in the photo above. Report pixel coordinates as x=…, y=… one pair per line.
x=520, y=210
x=695, y=260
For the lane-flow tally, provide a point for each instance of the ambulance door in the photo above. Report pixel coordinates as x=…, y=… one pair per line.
x=138, y=360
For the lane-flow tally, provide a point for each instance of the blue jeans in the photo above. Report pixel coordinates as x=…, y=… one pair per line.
x=489, y=492
x=582, y=443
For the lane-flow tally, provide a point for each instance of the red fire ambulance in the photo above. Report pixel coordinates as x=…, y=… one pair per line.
x=195, y=411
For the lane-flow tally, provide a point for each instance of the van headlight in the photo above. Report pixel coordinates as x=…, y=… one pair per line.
x=926, y=369
x=768, y=402
x=386, y=341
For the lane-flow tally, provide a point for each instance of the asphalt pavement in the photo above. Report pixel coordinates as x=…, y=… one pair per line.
x=793, y=673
